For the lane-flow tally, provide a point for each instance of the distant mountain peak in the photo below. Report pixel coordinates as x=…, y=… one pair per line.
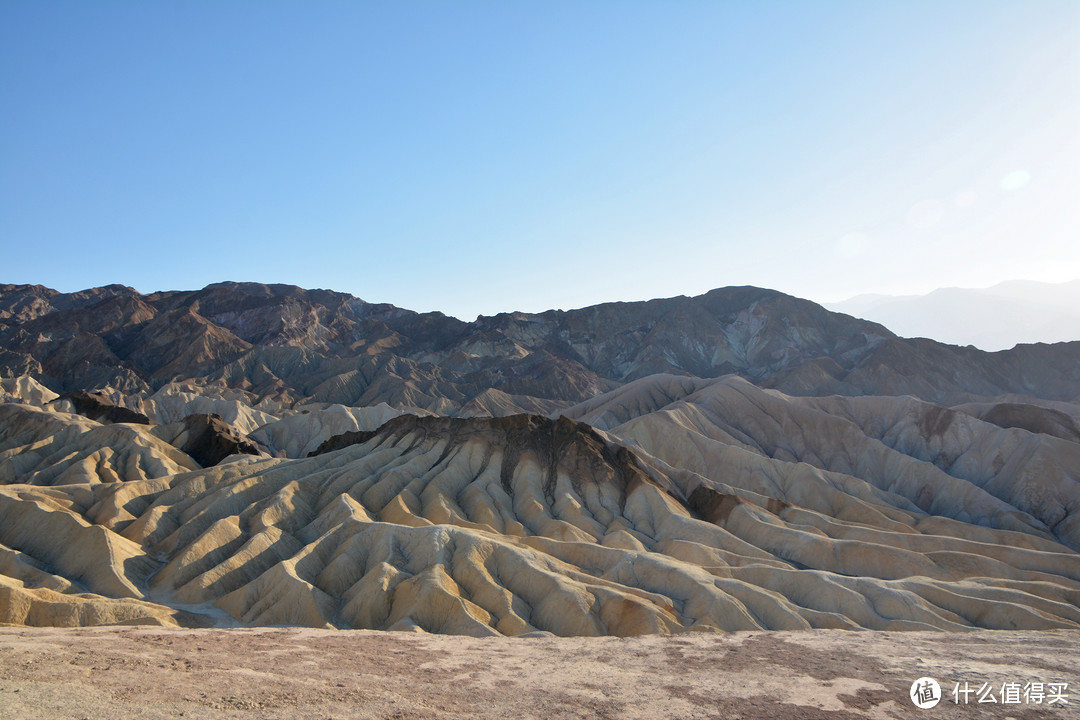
x=284, y=341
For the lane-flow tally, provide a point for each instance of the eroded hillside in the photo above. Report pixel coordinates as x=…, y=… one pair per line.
x=665, y=519
x=265, y=455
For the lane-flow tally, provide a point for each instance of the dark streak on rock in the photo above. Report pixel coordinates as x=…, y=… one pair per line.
x=712, y=506
x=562, y=445
x=715, y=507
x=1034, y=419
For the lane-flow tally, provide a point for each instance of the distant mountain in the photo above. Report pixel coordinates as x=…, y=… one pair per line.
x=994, y=318
x=289, y=345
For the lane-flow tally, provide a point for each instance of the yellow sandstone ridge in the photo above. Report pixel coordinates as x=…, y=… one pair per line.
x=697, y=505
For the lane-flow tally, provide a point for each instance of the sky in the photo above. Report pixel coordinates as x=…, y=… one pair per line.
x=480, y=157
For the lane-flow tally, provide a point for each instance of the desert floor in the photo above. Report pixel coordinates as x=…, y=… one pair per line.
x=138, y=672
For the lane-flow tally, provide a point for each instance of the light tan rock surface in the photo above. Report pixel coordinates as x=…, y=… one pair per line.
x=298, y=434
x=521, y=524
x=940, y=461
x=25, y=389
x=173, y=403
x=40, y=447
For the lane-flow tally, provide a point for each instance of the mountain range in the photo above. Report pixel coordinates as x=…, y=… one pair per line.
x=289, y=344
x=252, y=454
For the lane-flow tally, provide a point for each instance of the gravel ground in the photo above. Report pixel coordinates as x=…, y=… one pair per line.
x=138, y=672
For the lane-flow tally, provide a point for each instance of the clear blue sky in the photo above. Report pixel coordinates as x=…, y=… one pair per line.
x=476, y=157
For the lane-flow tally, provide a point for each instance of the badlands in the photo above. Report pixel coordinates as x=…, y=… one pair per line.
x=692, y=472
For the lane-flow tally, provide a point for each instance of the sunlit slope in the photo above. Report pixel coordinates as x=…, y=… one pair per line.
x=517, y=524
x=819, y=452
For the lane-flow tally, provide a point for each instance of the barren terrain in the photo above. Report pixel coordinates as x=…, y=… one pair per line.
x=717, y=507
x=306, y=673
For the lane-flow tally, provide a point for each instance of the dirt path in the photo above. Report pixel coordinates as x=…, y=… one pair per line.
x=301, y=673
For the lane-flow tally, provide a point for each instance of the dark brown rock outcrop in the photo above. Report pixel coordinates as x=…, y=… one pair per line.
x=1033, y=419
x=562, y=445
x=208, y=440
x=98, y=407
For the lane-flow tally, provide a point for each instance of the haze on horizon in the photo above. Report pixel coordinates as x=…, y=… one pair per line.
x=993, y=318
x=482, y=157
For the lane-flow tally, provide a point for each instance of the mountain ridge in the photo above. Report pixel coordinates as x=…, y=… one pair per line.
x=739, y=460
x=514, y=525
x=300, y=345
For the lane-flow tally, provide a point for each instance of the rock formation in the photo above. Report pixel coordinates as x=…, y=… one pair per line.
x=207, y=439
x=524, y=523
x=317, y=346
x=264, y=455
x=98, y=407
